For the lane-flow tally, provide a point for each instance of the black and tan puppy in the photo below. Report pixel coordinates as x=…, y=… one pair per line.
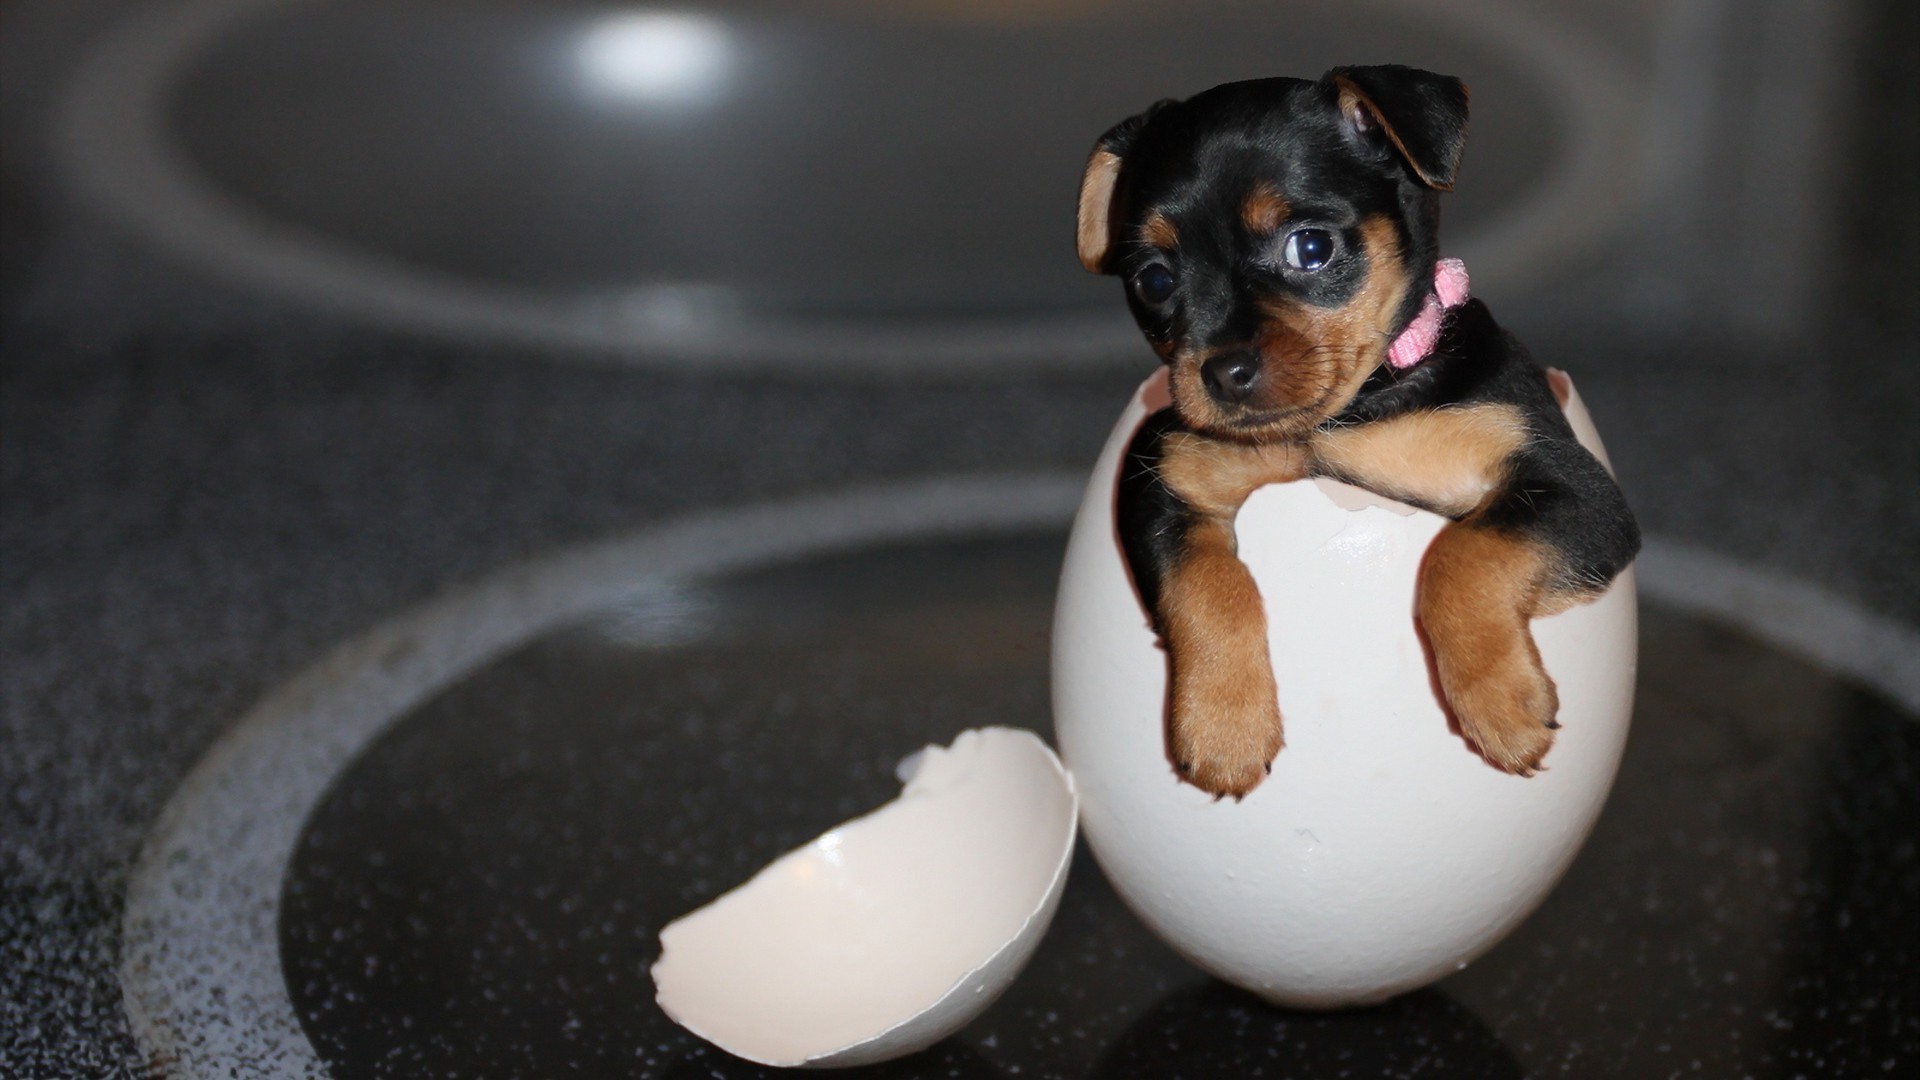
x=1278, y=239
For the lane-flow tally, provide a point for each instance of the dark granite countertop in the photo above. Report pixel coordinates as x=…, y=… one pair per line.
x=205, y=486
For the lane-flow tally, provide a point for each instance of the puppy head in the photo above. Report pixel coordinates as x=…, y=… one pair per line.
x=1275, y=235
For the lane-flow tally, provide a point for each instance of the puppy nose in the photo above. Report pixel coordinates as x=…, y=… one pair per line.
x=1230, y=377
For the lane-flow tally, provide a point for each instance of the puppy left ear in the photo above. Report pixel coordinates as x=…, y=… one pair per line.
x=1422, y=114
x=1095, y=227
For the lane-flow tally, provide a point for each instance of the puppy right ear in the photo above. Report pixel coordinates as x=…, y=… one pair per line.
x=1109, y=156
x=1423, y=115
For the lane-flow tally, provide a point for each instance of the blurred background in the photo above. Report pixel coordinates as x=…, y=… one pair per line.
x=311, y=310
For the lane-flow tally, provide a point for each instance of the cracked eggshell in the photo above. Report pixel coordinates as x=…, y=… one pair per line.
x=892, y=931
x=1382, y=853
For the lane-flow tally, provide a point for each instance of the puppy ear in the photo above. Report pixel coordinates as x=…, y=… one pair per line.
x=1423, y=115
x=1095, y=234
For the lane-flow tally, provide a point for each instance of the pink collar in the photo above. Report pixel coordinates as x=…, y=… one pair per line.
x=1416, y=342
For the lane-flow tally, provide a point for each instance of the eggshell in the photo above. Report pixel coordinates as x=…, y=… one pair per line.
x=1382, y=853
x=892, y=931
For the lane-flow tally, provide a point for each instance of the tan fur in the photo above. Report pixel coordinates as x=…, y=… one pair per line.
x=1225, y=718
x=1448, y=460
x=1356, y=332
x=1263, y=211
x=1478, y=590
x=1225, y=721
x=1095, y=232
x=1215, y=477
x=1158, y=231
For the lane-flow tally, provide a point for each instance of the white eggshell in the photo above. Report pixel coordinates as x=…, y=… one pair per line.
x=892, y=931
x=1382, y=853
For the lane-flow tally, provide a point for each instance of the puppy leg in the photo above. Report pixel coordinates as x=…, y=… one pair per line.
x=1224, y=725
x=1175, y=509
x=1479, y=588
x=1540, y=526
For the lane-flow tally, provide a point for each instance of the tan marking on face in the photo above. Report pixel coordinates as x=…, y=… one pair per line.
x=1214, y=477
x=1478, y=589
x=1223, y=728
x=1446, y=460
x=1263, y=211
x=1096, y=208
x=1189, y=394
x=1159, y=232
x=1354, y=335
x=1314, y=360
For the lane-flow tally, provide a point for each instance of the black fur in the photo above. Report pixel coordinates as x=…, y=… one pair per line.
x=1195, y=156
x=1193, y=160
x=1151, y=519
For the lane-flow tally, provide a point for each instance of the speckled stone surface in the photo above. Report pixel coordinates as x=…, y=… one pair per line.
x=203, y=488
x=481, y=890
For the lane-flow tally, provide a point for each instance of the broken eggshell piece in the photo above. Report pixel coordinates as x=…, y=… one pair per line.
x=892, y=931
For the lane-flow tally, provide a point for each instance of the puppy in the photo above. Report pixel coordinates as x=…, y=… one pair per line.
x=1278, y=243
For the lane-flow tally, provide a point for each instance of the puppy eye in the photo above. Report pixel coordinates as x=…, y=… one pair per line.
x=1307, y=249
x=1154, y=284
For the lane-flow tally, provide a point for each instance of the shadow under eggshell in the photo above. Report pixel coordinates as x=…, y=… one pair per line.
x=1383, y=852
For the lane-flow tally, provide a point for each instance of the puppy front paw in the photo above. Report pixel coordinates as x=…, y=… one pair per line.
x=1505, y=710
x=1225, y=728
